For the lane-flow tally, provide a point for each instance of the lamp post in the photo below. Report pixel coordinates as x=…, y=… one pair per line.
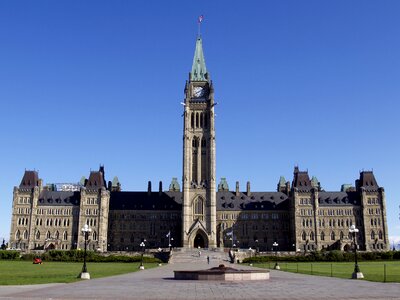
x=257, y=249
x=171, y=244
x=275, y=246
x=142, y=245
x=357, y=274
x=85, y=231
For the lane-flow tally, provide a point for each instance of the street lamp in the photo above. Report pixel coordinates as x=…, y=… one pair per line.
x=142, y=245
x=257, y=250
x=85, y=231
x=275, y=245
x=171, y=244
x=357, y=273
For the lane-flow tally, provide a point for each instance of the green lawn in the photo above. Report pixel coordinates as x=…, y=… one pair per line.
x=372, y=270
x=24, y=272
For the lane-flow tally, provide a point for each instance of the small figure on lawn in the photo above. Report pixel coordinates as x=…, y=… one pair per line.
x=37, y=261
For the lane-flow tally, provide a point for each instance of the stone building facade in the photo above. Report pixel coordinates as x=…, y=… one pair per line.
x=299, y=216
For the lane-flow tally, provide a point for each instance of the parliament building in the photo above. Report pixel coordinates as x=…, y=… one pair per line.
x=299, y=215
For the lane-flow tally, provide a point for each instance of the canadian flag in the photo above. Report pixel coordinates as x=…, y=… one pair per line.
x=200, y=19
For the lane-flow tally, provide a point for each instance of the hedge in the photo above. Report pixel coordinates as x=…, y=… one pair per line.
x=334, y=255
x=76, y=256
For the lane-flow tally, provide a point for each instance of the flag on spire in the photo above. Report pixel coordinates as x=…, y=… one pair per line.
x=200, y=19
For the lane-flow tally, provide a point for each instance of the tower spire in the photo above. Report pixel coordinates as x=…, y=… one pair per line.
x=199, y=70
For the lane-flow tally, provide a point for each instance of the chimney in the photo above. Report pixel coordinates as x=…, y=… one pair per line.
x=248, y=189
x=149, y=188
x=237, y=189
x=160, y=188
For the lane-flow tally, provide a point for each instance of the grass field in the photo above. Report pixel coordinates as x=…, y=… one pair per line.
x=24, y=272
x=381, y=271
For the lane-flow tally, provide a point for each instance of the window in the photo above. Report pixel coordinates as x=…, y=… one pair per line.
x=17, y=235
x=65, y=236
x=37, y=235
x=341, y=235
x=380, y=235
x=312, y=235
x=303, y=236
x=332, y=236
x=372, y=235
x=198, y=209
x=25, y=235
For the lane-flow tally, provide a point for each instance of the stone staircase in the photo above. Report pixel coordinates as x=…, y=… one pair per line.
x=191, y=256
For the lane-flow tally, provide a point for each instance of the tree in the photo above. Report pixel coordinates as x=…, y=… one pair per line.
x=3, y=245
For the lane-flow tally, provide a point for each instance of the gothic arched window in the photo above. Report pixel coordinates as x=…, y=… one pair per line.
x=380, y=235
x=17, y=235
x=322, y=236
x=65, y=236
x=303, y=236
x=332, y=236
x=38, y=235
x=372, y=235
x=198, y=210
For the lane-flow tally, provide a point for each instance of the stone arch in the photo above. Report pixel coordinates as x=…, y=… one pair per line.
x=199, y=239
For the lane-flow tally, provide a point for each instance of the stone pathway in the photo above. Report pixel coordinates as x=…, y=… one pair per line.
x=158, y=283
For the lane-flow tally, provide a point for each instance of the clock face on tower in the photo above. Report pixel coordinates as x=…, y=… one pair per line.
x=198, y=91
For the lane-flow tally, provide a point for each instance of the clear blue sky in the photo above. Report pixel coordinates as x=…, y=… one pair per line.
x=313, y=83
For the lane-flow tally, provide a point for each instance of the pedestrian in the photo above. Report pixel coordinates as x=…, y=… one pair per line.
x=208, y=259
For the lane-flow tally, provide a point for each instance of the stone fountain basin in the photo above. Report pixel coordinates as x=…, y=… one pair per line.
x=222, y=273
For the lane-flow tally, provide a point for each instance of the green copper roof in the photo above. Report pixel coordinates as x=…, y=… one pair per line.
x=199, y=70
x=174, y=186
x=314, y=181
x=282, y=181
x=115, y=181
x=223, y=185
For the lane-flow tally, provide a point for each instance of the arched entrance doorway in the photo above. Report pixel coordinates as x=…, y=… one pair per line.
x=199, y=241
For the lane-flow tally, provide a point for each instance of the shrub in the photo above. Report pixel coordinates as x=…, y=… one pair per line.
x=7, y=254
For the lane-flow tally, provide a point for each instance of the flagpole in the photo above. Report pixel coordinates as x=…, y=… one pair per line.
x=198, y=28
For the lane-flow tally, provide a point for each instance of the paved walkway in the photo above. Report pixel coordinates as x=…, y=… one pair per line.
x=158, y=283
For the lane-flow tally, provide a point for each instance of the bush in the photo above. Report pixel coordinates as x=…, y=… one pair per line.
x=77, y=256
x=7, y=254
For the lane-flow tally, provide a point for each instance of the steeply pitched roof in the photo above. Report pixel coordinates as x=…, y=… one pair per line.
x=30, y=179
x=338, y=198
x=146, y=201
x=257, y=201
x=199, y=70
x=96, y=180
x=54, y=198
x=367, y=180
x=301, y=180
